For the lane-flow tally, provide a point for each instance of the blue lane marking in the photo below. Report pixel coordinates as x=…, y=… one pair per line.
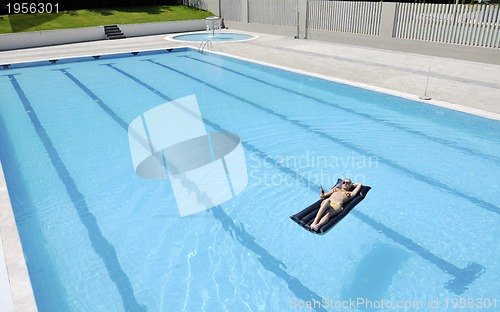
x=462, y=277
x=145, y=125
x=99, y=102
x=358, y=113
x=100, y=244
x=163, y=96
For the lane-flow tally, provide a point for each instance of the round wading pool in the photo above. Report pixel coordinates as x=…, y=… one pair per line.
x=217, y=37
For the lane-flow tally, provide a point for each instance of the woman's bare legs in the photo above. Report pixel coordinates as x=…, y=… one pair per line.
x=322, y=219
x=323, y=207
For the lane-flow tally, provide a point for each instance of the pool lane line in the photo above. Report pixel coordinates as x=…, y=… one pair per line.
x=100, y=244
x=423, y=178
x=441, y=141
x=462, y=277
x=99, y=102
x=26, y=219
x=267, y=260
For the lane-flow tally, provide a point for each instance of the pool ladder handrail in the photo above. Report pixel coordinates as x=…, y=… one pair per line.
x=207, y=43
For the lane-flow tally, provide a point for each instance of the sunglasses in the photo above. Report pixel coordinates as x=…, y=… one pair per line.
x=346, y=182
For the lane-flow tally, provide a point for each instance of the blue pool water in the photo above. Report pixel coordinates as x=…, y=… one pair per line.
x=217, y=37
x=99, y=238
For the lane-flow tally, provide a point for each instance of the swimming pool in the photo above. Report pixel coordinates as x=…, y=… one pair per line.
x=97, y=237
x=217, y=37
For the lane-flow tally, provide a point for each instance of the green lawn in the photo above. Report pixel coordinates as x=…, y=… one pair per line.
x=98, y=17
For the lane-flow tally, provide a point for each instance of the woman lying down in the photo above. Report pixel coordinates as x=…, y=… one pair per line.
x=334, y=202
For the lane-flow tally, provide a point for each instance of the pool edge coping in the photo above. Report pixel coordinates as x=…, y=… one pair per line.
x=12, y=261
x=171, y=37
x=185, y=45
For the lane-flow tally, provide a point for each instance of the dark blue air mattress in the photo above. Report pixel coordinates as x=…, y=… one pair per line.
x=305, y=217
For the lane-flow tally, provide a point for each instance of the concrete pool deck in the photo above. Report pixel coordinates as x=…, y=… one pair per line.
x=467, y=86
x=16, y=293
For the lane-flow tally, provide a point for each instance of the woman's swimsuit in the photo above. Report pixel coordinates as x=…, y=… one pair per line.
x=336, y=206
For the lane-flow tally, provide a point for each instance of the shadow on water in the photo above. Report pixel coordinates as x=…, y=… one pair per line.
x=374, y=273
x=268, y=261
x=462, y=277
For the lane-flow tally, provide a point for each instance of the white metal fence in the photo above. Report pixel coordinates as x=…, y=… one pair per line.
x=231, y=9
x=345, y=16
x=472, y=25
x=273, y=12
x=468, y=25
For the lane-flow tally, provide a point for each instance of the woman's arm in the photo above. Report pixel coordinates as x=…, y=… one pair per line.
x=357, y=187
x=330, y=192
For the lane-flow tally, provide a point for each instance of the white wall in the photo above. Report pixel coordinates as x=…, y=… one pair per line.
x=50, y=37
x=55, y=37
